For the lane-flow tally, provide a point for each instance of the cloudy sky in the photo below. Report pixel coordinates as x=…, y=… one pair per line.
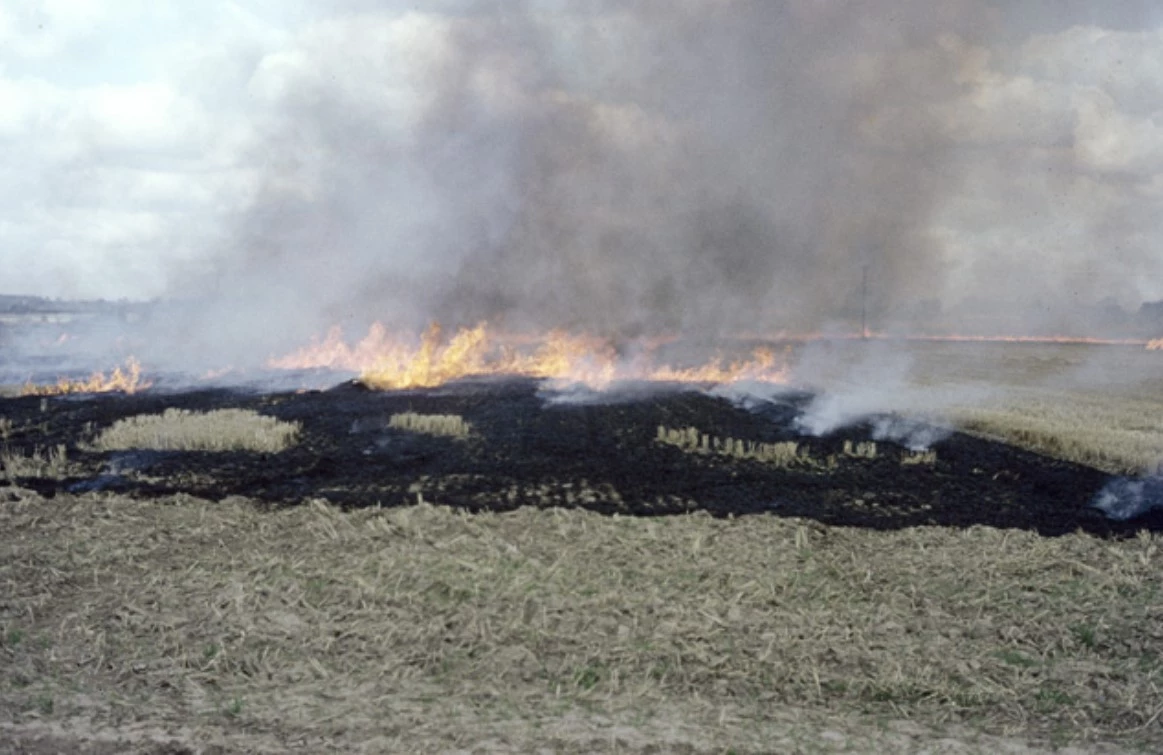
x=603, y=164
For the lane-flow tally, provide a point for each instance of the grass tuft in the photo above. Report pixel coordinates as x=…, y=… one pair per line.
x=860, y=450
x=689, y=439
x=446, y=425
x=919, y=458
x=182, y=430
x=52, y=463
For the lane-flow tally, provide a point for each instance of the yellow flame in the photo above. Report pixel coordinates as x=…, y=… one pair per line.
x=385, y=362
x=126, y=380
x=761, y=366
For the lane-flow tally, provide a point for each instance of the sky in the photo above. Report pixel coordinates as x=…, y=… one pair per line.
x=623, y=167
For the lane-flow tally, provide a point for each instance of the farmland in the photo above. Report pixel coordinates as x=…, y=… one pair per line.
x=584, y=578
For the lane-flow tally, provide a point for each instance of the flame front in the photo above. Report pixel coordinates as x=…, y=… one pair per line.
x=385, y=362
x=126, y=380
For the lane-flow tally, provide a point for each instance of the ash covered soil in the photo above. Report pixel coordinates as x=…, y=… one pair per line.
x=525, y=449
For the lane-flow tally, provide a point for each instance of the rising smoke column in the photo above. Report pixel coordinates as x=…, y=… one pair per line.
x=625, y=169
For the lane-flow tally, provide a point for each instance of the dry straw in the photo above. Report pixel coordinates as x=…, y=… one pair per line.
x=860, y=450
x=690, y=439
x=919, y=458
x=447, y=425
x=1112, y=433
x=50, y=463
x=540, y=620
x=783, y=454
x=182, y=430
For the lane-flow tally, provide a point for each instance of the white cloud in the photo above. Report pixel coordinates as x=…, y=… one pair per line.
x=1107, y=138
x=1128, y=65
x=40, y=29
x=135, y=130
x=148, y=116
x=378, y=61
x=118, y=167
x=1060, y=144
x=1008, y=109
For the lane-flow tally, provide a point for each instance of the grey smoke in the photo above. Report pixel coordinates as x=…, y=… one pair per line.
x=696, y=167
x=913, y=434
x=693, y=167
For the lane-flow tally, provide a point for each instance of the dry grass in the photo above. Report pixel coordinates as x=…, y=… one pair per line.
x=182, y=430
x=691, y=439
x=1097, y=405
x=785, y=454
x=51, y=463
x=448, y=425
x=1114, y=433
x=860, y=449
x=919, y=458
x=6, y=426
x=424, y=629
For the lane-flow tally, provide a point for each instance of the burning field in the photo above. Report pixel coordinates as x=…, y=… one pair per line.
x=522, y=375
x=595, y=552
x=500, y=443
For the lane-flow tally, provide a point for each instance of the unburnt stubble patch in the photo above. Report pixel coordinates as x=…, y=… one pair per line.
x=1116, y=434
x=860, y=449
x=690, y=439
x=782, y=454
x=919, y=458
x=184, y=430
x=40, y=463
x=446, y=425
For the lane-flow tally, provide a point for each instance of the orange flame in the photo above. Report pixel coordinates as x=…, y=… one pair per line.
x=1156, y=345
x=127, y=381
x=385, y=362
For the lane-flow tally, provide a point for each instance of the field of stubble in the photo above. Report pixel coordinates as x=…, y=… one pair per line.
x=183, y=625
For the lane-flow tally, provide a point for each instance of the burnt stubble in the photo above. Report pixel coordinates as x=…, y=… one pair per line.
x=525, y=450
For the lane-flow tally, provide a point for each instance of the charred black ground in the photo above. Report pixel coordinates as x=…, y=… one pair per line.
x=604, y=456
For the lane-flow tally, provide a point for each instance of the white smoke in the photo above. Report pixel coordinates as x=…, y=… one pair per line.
x=1125, y=498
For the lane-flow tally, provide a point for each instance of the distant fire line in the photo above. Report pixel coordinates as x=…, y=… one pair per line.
x=127, y=380
x=384, y=361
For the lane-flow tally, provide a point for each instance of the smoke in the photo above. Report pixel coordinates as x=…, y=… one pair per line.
x=1124, y=498
x=692, y=167
x=875, y=384
x=703, y=167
